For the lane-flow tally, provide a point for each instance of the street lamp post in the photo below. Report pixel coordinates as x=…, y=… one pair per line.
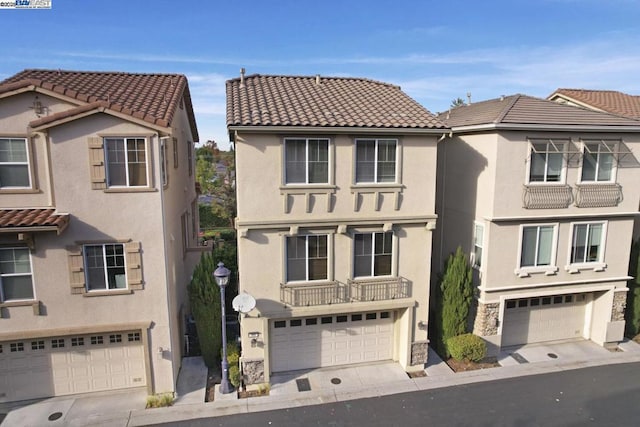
x=221, y=276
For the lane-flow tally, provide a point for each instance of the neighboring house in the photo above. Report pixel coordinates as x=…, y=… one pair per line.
x=97, y=213
x=609, y=101
x=543, y=196
x=336, y=207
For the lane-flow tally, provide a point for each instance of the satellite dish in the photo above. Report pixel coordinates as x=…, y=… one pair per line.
x=243, y=303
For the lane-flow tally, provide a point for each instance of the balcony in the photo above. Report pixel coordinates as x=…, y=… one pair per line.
x=325, y=293
x=598, y=195
x=309, y=294
x=546, y=196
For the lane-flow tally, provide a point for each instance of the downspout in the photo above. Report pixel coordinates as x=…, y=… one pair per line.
x=443, y=174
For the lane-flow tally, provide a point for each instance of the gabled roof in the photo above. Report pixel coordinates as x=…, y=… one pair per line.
x=152, y=98
x=526, y=110
x=13, y=220
x=327, y=102
x=610, y=101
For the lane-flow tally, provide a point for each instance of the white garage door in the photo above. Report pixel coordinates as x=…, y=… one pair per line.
x=314, y=342
x=550, y=318
x=44, y=367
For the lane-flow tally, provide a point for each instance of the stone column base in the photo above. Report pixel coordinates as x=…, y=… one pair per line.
x=419, y=352
x=253, y=371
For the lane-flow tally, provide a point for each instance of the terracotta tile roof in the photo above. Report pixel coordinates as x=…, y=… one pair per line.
x=606, y=100
x=152, y=98
x=527, y=110
x=29, y=218
x=260, y=100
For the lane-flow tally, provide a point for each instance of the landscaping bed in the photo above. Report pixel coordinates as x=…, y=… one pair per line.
x=467, y=365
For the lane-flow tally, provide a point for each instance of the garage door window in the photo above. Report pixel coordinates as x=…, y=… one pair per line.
x=16, y=281
x=307, y=258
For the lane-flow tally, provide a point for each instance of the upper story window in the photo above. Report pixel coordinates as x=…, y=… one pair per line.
x=14, y=163
x=537, y=253
x=306, y=161
x=16, y=281
x=598, y=162
x=373, y=253
x=376, y=160
x=307, y=258
x=547, y=162
x=126, y=160
x=587, y=243
x=105, y=266
x=478, y=245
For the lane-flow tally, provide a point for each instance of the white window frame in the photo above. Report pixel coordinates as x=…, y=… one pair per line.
x=106, y=140
x=373, y=251
x=614, y=144
x=306, y=182
x=26, y=163
x=375, y=181
x=104, y=267
x=549, y=270
x=598, y=265
x=30, y=274
x=559, y=144
x=329, y=258
x=477, y=261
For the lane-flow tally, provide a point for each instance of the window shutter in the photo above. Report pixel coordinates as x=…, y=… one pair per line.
x=96, y=163
x=76, y=269
x=134, y=265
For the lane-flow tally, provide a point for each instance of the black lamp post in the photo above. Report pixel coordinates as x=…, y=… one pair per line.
x=221, y=275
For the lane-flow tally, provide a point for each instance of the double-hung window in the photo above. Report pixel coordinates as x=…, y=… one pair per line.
x=376, y=160
x=307, y=258
x=105, y=266
x=547, y=162
x=598, y=162
x=14, y=163
x=16, y=281
x=538, y=248
x=478, y=244
x=373, y=253
x=306, y=161
x=126, y=160
x=587, y=243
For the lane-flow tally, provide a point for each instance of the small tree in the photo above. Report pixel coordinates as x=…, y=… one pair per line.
x=458, y=102
x=204, y=296
x=456, y=293
x=632, y=314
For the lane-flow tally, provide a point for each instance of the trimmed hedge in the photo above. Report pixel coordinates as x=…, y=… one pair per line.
x=467, y=346
x=234, y=376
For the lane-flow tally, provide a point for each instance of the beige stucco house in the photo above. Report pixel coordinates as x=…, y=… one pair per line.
x=543, y=196
x=336, y=207
x=97, y=216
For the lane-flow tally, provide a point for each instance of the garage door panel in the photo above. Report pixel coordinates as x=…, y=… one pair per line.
x=82, y=365
x=338, y=342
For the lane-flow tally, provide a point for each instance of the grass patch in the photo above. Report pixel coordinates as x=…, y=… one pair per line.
x=161, y=400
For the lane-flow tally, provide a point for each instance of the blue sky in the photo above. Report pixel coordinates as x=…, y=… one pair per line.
x=436, y=51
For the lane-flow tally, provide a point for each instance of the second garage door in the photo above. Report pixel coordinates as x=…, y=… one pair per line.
x=314, y=342
x=549, y=318
x=45, y=367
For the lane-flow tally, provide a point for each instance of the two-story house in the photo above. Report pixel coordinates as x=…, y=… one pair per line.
x=543, y=196
x=97, y=213
x=336, y=207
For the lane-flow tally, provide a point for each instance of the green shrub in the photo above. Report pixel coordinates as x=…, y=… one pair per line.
x=467, y=346
x=234, y=375
x=228, y=235
x=160, y=400
x=632, y=311
x=233, y=352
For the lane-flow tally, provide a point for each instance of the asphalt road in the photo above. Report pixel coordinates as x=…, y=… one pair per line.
x=599, y=396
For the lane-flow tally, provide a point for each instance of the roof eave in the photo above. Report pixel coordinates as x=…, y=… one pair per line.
x=335, y=129
x=544, y=127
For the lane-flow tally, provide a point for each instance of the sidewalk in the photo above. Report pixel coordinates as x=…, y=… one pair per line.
x=325, y=386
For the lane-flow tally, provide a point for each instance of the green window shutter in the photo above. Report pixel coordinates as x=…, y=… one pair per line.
x=134, y=265
x=96, y=163
x=76, y=270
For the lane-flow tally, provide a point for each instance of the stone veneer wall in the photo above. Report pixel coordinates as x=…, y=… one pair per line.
x=619, y=305
x=486, y=322
x=253, y=371
x=419, y=352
